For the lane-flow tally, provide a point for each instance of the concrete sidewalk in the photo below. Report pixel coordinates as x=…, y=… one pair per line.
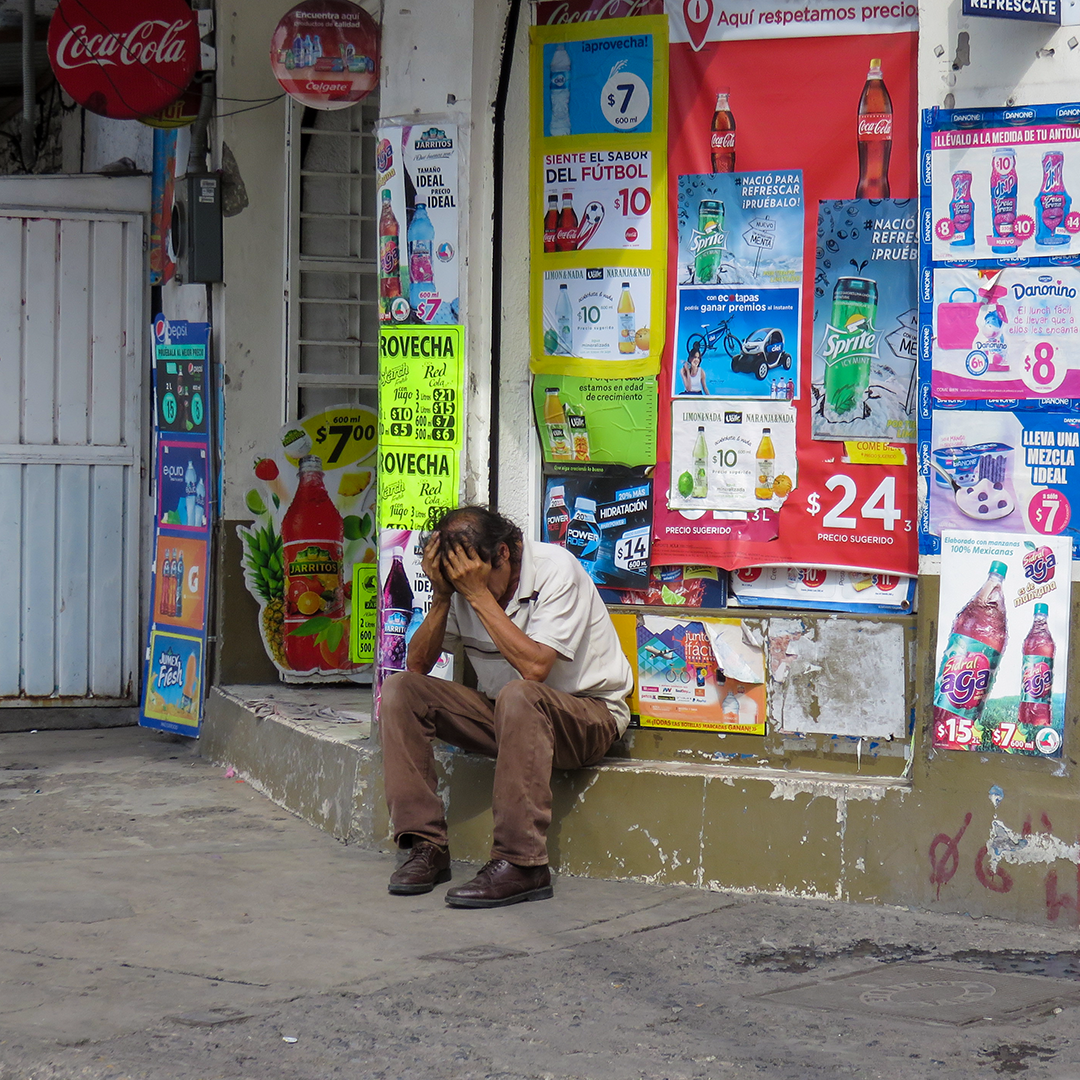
x=160, y=920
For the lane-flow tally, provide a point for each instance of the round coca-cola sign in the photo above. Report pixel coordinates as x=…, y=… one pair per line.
x=124, y=58
x=325, y=53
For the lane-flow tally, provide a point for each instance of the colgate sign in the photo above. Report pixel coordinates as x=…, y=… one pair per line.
x=124, y=58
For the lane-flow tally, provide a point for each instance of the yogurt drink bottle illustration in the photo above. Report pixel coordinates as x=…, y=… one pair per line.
x=970, y=662
x=1037, y=672
x=962, y=211
x=559, y=91
x=1052, y=203
x=1003, y=184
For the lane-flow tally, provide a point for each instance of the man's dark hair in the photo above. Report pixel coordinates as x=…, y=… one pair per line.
x=483, y=530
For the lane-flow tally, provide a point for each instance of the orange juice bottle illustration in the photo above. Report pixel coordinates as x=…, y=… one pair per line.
x=766, y=466
x=555, y=426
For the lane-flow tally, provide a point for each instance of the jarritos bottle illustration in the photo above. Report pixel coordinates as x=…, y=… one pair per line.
x=312, y=536
x=970, y=663
x=962, y=210
x=722, y=139
x=875, y=136
x=850, y=347
x=1037, y=671
x=1003, y=185
x=395, y=614
x=1052, y=203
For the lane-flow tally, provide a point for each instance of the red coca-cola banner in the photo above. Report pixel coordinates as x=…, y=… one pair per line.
x=552, y=12
x=124, y=58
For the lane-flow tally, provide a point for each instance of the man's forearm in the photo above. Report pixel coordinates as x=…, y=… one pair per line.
x=531, y=660
x=427, y=642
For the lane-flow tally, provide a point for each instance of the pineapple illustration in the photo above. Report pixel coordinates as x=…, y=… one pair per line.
x=263, y=557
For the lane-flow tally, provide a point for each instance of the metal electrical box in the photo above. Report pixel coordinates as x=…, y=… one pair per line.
x=196, y=228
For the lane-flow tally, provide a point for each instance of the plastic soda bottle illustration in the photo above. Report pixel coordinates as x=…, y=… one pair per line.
x=396, y=614
x=191, y=682
x=875, y=136
x=766, y=466
x=722, y=142
x=421, y=274
x=1003, y=201
x=564, y=329
x=850, y=347
x=200, y=502
x=555, y=423
x=962, y=210
x=1037, y=672
x=551, y=222
x=566, y=236
x=178, y=579
x=701, y=465
x=579, y=432
x=191, y=479
x=165, y=600
x=627, y=327
x=389, y=251
x=1053, y=202
x=707, y=241
x=970, y=661
x=557, y=517
x=312, y=536
x=582, y=534
x=730, y=707
x=559, y=91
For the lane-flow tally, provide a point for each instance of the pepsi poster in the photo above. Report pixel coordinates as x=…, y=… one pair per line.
x=1003, y=644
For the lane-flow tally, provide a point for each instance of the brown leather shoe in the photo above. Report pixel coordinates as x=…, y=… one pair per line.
x=500, y=883
x=428, y=865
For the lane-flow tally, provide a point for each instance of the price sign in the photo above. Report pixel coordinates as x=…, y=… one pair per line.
x=1044, y=370
x=421, y=395
x=365, y=601
x=844, y=507
x=624, y=101
x=341, y=436
x=632, y=550
x=1049, y=512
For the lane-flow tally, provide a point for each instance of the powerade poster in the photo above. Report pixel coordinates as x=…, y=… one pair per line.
x=1005, y=333
x=741, y=228
x=842, y=514
x=605, y=421
x=737, y=342
x=416, y=167
x=732, y=455
x=1004, y=472
x=1003, y=654
x=866, y=319
x=605, y=521
x=698, y=675
x=592, y=312
x=1000, y=184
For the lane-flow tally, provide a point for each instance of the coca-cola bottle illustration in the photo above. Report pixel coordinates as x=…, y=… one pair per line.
x=1037, y=673
x=566, y=236
x=312, y=536
x=970, y=663
x=875, y=136
x=551, y=222
x=395, y=614
x=723, y=135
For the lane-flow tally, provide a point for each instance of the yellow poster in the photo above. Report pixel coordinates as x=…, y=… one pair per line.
x=599, y=197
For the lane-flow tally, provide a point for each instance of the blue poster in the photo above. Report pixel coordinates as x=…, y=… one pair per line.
x=173, y=682
x=866, y=306
x=739, y=342
x=599, y=86
x=183, y=483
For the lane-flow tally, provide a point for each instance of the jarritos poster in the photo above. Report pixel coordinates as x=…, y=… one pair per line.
x=843, y=115
x=698, y=675
x=1003, y=643
x=312, y=495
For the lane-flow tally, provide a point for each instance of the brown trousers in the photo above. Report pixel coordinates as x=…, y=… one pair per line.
x=529, y=729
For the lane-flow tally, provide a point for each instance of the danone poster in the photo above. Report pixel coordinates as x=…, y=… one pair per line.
x=855, y=70
x=312, y=497
x=1003, y=643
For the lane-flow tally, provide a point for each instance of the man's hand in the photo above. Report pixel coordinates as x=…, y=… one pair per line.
x=432, y=566
x=467, y=573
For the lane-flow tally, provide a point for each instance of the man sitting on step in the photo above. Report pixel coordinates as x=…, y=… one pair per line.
x=553, y=682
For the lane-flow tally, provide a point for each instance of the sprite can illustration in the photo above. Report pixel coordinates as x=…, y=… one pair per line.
x=850, y=347
x=707, y=241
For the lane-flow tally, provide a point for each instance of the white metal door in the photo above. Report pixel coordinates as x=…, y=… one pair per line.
x=72, y=320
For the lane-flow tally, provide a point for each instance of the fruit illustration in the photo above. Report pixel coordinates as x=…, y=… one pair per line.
x=782, y=485
x=263, y=560
x=686, y=485
x=641, y=338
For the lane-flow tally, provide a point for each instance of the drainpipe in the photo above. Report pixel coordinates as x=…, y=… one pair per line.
x=28, y=84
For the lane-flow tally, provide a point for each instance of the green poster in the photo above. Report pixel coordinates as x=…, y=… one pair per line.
x=606, y=421
x=365, y=603
x=417, y=485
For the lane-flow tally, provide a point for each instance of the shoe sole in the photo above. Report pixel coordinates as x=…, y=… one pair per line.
x=545, y=893
x=416, y=890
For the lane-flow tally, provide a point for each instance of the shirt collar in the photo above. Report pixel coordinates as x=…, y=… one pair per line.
x=526, y=587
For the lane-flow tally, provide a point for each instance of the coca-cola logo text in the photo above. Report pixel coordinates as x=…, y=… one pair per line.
x=153, y=41
x=875, y=126
x=572, y=11
x=723, y=140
